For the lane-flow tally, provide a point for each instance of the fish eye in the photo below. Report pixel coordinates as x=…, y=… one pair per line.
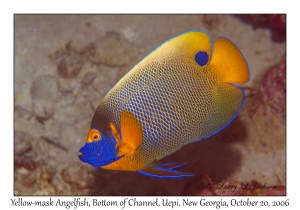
x=93, y=135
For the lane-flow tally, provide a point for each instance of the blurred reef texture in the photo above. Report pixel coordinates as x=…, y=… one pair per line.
x=65, y=64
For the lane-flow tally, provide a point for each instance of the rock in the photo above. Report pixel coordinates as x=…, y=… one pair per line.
x=68, y=61
x=28, y=164
x=46, y=174
x=77, y=175
x=88, y=78
x=22, y=143
x=44, y=92
x=28, y=180
x=114, y=50
x=273, y=87
x=22, y=113
x=276, y=21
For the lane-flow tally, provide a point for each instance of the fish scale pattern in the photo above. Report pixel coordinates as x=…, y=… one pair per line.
x=175, y=102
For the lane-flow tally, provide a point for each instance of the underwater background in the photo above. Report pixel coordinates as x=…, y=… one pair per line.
x=65, y=64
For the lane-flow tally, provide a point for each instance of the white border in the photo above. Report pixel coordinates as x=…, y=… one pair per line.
x=153, y=6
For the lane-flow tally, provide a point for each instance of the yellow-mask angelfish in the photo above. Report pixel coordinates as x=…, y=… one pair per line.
x=184, y=91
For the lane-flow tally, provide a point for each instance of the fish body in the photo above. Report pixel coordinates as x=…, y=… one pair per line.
x=184, y=91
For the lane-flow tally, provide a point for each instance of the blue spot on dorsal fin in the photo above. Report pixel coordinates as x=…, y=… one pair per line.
x=201, y=58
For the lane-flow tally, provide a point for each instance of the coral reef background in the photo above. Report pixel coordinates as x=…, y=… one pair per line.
x=65, y=64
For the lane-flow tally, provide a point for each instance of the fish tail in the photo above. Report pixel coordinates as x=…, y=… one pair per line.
x=231, y=69
x=229, y=62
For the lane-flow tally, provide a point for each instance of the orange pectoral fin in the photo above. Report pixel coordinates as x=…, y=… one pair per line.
x=230, y=63
x=132, y=133
x=115, y=133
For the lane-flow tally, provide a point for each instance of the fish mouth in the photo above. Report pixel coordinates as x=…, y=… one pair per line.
x=81, y=157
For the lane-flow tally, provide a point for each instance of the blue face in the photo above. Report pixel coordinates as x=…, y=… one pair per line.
x=100, y=153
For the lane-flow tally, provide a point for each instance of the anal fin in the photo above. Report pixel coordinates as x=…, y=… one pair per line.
x=173, y=165
x=164, y=170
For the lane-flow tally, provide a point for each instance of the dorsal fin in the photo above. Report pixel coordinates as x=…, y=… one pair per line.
x=185, y=45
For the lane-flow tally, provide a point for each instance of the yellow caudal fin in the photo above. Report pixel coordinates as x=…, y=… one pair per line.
x=131, y=132
x=229, y=63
